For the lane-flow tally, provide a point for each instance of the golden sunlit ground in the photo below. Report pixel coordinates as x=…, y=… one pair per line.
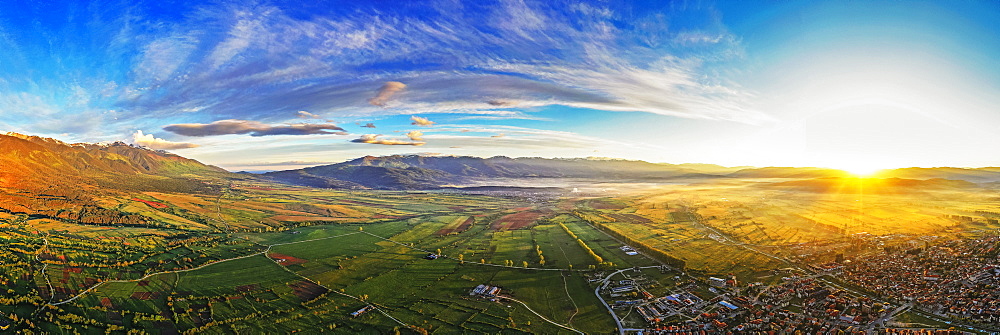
x=709, y=224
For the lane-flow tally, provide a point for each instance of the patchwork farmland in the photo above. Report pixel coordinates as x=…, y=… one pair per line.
x=278, y=260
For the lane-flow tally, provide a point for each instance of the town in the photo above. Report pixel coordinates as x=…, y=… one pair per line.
x=955, y=285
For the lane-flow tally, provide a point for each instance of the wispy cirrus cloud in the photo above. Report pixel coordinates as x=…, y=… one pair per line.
x=254, y=128
x=265, y=67
x=259, y=62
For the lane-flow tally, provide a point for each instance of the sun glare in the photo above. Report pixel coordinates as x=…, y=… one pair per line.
x=860, y=169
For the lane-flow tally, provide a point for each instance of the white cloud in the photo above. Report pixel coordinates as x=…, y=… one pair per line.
x=421, y=121
x=698, y=37
x=259, y=62
x=386, y=92
x=254, y=128
x=163, y=57
x=26, y=104
x=306, y=115
x=147, y=140
x=374, y=139
x=517, y=17
x=313, y=64
x=241, y=35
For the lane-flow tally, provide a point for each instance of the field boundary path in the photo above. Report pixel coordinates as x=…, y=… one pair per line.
x=502, y=266
x=265, y=252
x=380, y=310
x=576, y=308
x=487, y=264
x=154, y=274
x=542, y=317
x=38, y=258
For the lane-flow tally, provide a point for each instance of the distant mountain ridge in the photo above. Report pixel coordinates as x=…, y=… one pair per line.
x=401, y=172
x=30, y=161
x=409, y=172
x=48, y=178
x=975, y=175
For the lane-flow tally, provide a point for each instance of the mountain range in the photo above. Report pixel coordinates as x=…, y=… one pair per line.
x=407, y=172
x=47, y=178
x=401, y=172
x=36, y=163
x=31, y=161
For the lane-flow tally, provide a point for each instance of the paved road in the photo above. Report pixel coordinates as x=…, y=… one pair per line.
x=881, y=321
x=597, y=292
x=604, y=283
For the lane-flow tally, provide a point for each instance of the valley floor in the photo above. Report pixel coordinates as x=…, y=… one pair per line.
x=263, y=258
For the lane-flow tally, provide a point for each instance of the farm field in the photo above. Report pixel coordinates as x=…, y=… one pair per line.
x=711, y=225
x=259, y=258
x=239, y=262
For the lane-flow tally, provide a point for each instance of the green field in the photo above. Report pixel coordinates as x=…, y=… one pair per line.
x=261, y=259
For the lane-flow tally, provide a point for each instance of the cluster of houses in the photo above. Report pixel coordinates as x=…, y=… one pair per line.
x=920, y=331
x=486, y=291
x=831, y=267
x=957, y=279
x=657, y=310
x=821, y=301
x=723, y=282
x=819, y=309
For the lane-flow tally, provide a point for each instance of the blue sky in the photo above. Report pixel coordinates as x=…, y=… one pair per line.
x=282, y=84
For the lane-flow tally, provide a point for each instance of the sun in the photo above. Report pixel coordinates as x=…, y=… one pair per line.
x=860, y=169
x=860, y=164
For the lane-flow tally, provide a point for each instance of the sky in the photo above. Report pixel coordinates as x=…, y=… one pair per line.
x=270, y=85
